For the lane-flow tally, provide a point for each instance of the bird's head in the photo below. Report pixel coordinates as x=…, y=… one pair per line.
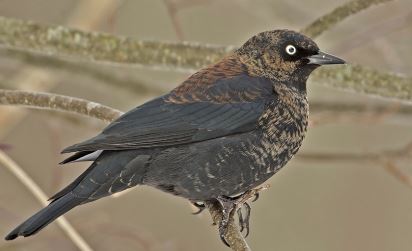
x=283, y=55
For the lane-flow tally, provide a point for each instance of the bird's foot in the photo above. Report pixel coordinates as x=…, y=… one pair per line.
x=244, y=219
x=230, y=205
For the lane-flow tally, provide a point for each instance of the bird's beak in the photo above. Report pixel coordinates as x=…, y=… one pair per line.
x=323, y=58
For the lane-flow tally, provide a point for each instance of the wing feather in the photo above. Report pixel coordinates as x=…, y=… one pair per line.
x=229, y=105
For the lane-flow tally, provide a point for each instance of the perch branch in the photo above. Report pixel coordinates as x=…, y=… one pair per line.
x=25, y=179
x=233, y=236
x=405, y=152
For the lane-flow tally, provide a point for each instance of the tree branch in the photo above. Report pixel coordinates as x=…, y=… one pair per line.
x=233, y=236
x=63, y=41
x=361, y=79
x=402, y=153
x=58, y=102
x=397, y=173
x=334, y=17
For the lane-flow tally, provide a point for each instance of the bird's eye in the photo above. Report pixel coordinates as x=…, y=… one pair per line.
x=290, y=49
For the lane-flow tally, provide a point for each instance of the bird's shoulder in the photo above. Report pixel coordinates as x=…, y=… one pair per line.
x=228, y=81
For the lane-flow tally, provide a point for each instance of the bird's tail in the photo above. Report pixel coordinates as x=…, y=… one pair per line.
x=45, y=216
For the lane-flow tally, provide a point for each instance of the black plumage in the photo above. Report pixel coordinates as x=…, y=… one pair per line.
x=225, y=130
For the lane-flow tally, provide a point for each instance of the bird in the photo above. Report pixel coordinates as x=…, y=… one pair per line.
x=223, y=131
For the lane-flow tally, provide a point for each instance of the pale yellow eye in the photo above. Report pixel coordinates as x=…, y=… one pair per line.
x=290, y=49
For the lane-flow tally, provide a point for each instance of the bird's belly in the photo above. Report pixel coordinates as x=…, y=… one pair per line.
x=224, y=166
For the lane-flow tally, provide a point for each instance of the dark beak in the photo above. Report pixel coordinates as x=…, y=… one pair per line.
x=323, y=58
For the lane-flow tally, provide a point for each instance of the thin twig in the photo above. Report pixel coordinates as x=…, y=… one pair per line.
x=25, y=179
x=336, y=16
x=388, y=162
x=404, y=152
x=58, y=102
x=398, y=173
x=172, y=10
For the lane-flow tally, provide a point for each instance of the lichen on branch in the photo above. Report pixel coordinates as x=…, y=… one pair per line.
x=64, y=41
x=58, y=102
x=361, y=79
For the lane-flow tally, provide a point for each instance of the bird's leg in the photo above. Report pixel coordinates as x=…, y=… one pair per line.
x=230, y=205
x=256, y=196
x=241, y=221
x=199, y=206
x=244, y=221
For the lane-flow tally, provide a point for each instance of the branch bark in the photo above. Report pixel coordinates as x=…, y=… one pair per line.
x=336, y=16
x=234, y=236
x=63, y=41
x=58, y=102
x=361, y=79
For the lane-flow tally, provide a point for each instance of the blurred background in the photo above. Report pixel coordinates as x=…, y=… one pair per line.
x=342, y=192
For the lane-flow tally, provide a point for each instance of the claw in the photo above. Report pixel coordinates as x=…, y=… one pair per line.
x=256, y=197
x=199, y=206
x=244, y=221
x=228, y=206
x=241, y=222
x=231, y=205
x=222, y=236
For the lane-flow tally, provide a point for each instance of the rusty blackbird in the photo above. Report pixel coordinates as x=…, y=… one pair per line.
x=225, y=130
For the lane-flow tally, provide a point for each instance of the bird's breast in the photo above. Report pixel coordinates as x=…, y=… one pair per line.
x=283, y=128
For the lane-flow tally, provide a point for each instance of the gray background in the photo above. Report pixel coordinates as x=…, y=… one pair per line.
x=312, y=205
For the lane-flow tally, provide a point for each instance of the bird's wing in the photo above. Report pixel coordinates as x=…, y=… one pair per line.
x=218, y=101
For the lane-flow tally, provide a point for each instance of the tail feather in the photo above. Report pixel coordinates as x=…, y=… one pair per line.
x=45, y=216
x=105, y=176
